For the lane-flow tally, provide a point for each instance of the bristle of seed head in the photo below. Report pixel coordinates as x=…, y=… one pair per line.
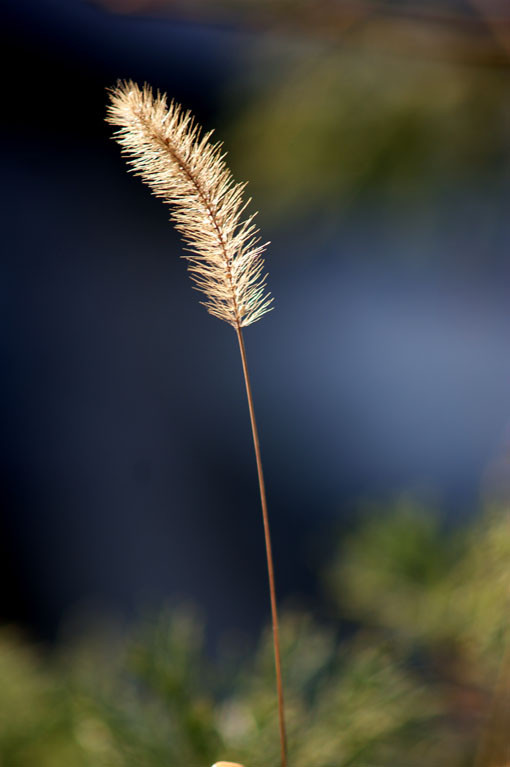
x=166, y=147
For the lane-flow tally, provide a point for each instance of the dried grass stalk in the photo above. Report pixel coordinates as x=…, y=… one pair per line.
x=164, y=145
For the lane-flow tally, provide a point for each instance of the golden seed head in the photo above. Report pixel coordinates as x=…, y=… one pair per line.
x=165, y=146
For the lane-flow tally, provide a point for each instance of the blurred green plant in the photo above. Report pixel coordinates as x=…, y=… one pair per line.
x=428, y=586
x=329, y=126
x=407, y=682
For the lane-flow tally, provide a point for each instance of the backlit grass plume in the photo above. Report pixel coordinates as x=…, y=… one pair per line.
x=165, y=146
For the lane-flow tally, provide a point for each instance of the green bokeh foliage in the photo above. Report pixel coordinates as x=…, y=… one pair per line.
x=407, y=681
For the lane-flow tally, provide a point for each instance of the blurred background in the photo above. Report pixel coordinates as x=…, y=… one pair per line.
x=375, y=139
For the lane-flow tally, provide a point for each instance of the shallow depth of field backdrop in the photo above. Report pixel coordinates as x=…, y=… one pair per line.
x=376, y=141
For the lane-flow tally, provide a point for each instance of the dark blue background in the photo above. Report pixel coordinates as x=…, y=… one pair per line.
x=127, y=468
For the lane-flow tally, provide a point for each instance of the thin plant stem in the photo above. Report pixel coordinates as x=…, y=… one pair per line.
x=269, y=554
x=164, y=146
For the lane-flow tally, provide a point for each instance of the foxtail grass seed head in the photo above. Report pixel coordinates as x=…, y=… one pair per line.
x=165, y=147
